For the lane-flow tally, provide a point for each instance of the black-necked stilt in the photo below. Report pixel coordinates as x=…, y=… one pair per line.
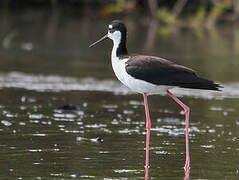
x=151, y=75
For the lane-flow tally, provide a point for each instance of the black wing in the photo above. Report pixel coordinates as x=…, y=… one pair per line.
x=159, y=71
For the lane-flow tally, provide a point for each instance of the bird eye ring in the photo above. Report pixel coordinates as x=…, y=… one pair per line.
x=111, y=29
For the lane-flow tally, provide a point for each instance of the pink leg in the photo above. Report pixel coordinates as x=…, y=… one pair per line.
x=186, y=110
x=148, y=126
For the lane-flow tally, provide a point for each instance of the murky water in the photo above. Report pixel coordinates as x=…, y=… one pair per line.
x=64, y=115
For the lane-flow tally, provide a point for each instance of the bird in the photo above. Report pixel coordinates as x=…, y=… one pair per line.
x=152, y=75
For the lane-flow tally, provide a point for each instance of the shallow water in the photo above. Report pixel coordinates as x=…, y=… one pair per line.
x=106, y=139
x=102, y=132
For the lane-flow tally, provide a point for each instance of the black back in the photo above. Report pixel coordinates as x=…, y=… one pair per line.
x=159, y=71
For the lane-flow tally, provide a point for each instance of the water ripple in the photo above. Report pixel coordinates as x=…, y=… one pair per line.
x=6, y=123
x=58, y=83
x=126, y=170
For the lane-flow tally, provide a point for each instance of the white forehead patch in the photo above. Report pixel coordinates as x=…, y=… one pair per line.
x=110, y=26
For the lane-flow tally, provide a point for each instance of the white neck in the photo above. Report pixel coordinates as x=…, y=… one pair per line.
x=116, y=37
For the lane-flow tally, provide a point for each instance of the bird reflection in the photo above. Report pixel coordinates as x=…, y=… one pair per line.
x=146, y=176
x=186, y=173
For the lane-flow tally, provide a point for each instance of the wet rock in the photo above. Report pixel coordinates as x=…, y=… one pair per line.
x=67, y=107
x=25, y=99
x=97, y=140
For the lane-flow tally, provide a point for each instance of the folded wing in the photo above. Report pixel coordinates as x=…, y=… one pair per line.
x=159, y=71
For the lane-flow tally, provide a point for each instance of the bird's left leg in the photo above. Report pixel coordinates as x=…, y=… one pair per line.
x=148, y=126
x=186, y=110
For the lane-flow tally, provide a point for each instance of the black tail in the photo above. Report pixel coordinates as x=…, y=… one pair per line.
x=201, y=83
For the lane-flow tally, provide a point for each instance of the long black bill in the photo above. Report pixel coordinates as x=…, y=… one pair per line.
x=101, y=39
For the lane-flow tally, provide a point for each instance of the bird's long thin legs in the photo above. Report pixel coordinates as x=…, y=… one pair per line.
x=186, y=110
x=148, y=126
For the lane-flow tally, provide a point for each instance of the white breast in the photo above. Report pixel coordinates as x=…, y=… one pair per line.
x=135, y=84
x=120, y=71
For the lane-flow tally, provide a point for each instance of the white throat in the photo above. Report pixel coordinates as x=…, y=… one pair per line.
x=116, y=37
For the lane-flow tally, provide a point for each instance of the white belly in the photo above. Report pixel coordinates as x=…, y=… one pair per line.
x=135, y=84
